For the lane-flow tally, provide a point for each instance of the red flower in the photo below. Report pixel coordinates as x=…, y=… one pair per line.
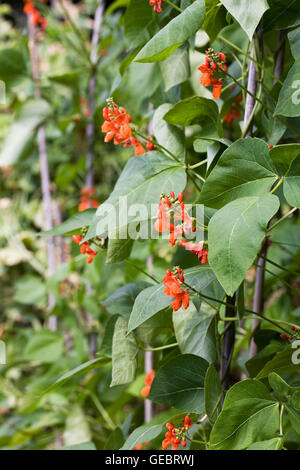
x=156, y=4
x=197, y=249
x=138, y=148
x=84, y=248
x=148, y=382
x=173, y=289
x=214, y=63
x=162, y=223
x=176, y=436
x=35, y=17
x=187, y=422
x=149, y=145
x=116, y=124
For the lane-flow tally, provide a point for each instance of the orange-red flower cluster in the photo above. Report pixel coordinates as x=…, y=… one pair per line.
x=172, y=283
x=87, y=199
x=176, y=436
x=148, y=382
x=170, y=211
x=85, y=248
x=234, y=112
x=116, y=126
x=172, y=217
x=34, y=15
x=156, y=4
x=214, y=64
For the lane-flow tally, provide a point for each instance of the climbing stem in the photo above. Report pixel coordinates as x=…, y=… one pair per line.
x=156, y=145
x=173, y=5
x=161, y=348
x=277, y=185
x=282, y=407
x=282, y=218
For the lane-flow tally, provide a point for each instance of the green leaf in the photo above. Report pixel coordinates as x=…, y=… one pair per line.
x=124, y=350
x=44, y=346
x=213, y=394
x=281, y=388
x=12, y=63
x=170, y=137
x=293, y=410
x=231, y=255
x=143, y=179
x=106, y=345
x=291, y=184
x=247, y=14
x=195, y=332
x=282, y=14
x=30, y=116
x=115, y=440
x=137, y=20
x=73, y=224
x=122, y=300
x=142, y=434
x=148, y=303
x=215, y=18
x=118, y=249
x=244, y=169
x=284, y=155
x=289, y=97
x=271, y=444
x=194, y=110
x=79, y=370
x=294, y=39
x=180, y=383
x=176, y=68
x=282, y=364
x=174, y=34
x=249, y=414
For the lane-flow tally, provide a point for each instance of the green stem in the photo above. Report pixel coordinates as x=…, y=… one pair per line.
x=281, y=267
x=283, y=218
x=198, y=176
x=197, y=164
x=160, y=348
x=142, y=271
x=156, y=145
x=281, y=420
x=228, y=318
x=173, y=5
x=230, y=85
x=277, y=185
x=283, y=281
x=194, y=181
